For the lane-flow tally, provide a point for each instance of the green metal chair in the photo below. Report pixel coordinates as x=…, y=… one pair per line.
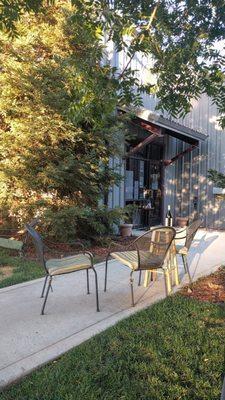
x=149, y=252
x=183, y=249
x=82, y=260
x=13, y=239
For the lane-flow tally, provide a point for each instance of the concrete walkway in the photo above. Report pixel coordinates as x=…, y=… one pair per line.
x=28, y=340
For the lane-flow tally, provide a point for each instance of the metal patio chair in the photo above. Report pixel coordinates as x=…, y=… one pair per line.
x=183, y=249
x=13, y=239
x=149, y=252
x=82, y=260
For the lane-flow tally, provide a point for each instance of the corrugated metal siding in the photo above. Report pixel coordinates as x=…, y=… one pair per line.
x=187, y=177
x=116, y=193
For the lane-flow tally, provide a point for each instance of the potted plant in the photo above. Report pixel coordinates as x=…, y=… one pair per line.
x=219, y=182
x=182, y=221
x=127, y=224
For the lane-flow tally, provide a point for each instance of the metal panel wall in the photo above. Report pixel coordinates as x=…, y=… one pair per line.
x=116, y=193
x=186, y=179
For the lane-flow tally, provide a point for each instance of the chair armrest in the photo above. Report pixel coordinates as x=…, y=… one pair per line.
x=182, y=231
x=121, y=247
x=66, y=252
x=91, y=255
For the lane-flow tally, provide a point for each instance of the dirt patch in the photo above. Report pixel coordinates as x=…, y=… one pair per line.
x=5, y=272
x=210, y=288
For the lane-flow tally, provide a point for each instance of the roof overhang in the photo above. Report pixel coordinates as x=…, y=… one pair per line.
x=172, y=128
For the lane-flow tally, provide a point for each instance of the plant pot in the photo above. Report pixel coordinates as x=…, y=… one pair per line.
x=126, y=230
x=182, y=221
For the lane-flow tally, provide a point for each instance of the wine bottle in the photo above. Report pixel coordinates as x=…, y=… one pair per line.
x=169, y=217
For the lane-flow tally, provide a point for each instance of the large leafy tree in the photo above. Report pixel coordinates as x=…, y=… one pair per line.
x=59, y=93
x=184, y=39
x=11, y=11
x=57, y=124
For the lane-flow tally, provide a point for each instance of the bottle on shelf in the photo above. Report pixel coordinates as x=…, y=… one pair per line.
x=169, y=217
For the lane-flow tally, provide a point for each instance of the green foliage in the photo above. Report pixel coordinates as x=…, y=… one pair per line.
x=128, y=213
x=172, y=350
x=182, y=40
x=11, y=11
x=59, y=92
x=86, y=223
x=57, y=118
x=217, y=177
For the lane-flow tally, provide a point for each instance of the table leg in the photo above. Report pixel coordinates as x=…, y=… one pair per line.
x=147, y=278
x=174, y=264
x=150, y=276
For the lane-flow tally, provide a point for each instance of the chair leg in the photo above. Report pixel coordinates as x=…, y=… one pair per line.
x=43, y=290
x=88, y=291
x=132, y=288
x=186, y=267
x=46, y=296
x=153, y=276
x=106, y=271
x=174, y=272
x=167, y=282
x=96, y=289
x=184, y=263
x=176, y=275
x=139, y=280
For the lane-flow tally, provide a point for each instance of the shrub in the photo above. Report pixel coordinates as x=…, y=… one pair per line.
x=71, y=222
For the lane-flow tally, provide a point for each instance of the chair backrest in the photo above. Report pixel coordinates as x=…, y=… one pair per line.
x=156, y=242
x=191, y=232
x=38, y=243
x=32, y=224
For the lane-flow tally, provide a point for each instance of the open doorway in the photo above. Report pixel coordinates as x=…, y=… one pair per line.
x=144, y=183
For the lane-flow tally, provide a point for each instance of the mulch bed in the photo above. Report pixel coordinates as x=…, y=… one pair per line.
x=99, y=251
x=210, y=288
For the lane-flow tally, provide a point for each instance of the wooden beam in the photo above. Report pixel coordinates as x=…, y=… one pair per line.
x=179, y=155
x=144, y=143
x=151, y=128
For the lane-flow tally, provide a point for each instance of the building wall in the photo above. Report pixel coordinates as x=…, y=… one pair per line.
x=117, y=192
x=186, y=179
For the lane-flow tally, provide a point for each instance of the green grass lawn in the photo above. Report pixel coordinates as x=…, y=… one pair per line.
x=16, y=269
x=173, y=350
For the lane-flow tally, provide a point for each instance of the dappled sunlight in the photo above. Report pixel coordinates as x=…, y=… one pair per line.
x=207, y=250
x=214, y=120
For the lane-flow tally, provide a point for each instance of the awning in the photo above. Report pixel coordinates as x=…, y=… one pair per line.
x=172, y=128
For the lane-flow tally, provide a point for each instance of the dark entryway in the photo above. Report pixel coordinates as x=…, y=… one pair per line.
x=147, y=156
x=144, y=182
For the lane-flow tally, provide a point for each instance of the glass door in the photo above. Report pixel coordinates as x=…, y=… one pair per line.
x=143, y=187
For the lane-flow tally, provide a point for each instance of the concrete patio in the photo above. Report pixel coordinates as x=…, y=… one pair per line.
x=29, y=340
